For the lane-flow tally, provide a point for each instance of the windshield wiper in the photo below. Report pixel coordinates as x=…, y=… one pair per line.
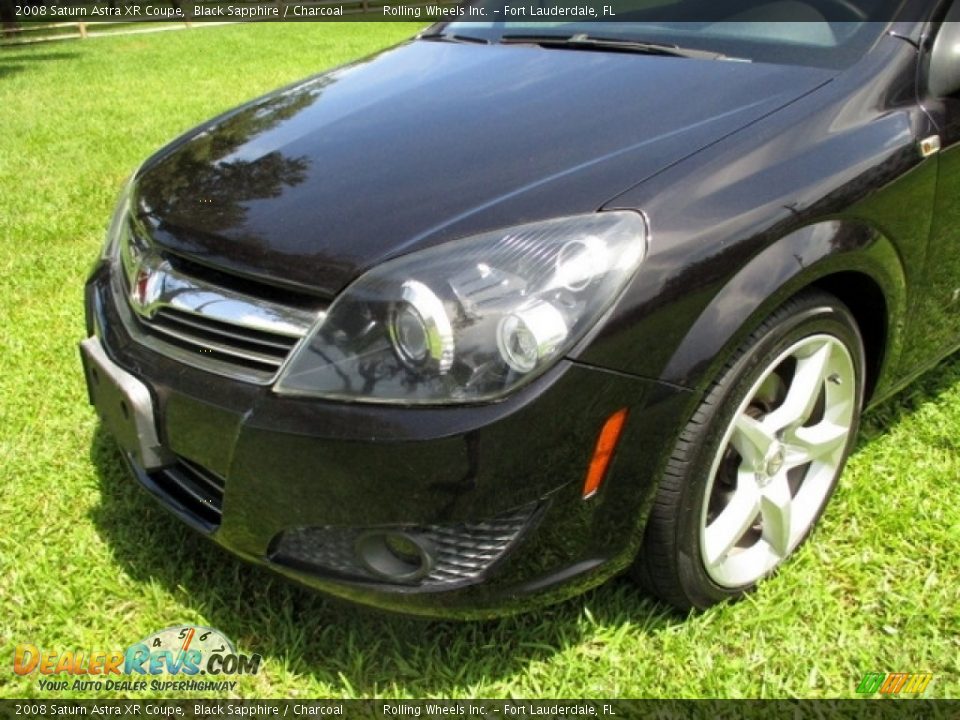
x=452, y=37
x=593, y=42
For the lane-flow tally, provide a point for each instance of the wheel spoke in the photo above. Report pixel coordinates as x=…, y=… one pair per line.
x=734, y=520
x=751, y=439
x=818, y=442
x=775, y=511
x=804, y=390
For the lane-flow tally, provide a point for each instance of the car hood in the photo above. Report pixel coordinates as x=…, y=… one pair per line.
x=429, y=141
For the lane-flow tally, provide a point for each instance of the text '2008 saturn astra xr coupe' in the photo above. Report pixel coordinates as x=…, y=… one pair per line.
x=492, y=316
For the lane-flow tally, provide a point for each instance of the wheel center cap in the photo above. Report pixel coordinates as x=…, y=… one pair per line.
x=772, y=463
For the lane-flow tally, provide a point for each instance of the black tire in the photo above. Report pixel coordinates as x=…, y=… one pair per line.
x=671, y=563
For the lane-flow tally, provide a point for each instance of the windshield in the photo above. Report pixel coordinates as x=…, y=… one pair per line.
x=822, y=33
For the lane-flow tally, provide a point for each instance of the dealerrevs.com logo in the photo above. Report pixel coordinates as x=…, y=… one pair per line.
x=171, y=659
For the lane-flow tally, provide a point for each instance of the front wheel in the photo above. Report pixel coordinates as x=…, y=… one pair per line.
x=756, y=464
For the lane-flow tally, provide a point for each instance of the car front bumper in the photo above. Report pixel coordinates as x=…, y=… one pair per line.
x=493, y=492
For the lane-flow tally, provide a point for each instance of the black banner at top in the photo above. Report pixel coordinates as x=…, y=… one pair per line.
x=483, y=11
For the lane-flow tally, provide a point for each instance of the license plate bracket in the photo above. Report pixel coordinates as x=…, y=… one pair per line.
x=124, y=405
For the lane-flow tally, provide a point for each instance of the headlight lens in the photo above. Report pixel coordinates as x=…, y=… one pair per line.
x=469, y=320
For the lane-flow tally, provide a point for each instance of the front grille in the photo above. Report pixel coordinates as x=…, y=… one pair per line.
x=228, y=342
x=227, y=325
x=194, y=489
x=462, y=552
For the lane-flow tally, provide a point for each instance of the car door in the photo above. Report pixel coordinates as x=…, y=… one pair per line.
x=941, y=87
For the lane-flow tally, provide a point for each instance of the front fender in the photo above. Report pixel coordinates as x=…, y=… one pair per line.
x=804, y=258
x=829, y=191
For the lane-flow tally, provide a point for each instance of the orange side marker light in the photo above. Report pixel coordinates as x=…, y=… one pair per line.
x=603, y=452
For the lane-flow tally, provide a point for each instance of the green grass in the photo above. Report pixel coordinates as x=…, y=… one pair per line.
x=88, y=561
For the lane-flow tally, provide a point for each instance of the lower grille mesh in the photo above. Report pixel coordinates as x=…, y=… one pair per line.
x=194, y=488
x=462, y=552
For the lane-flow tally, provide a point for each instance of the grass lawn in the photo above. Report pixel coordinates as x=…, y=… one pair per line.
x=88, y=561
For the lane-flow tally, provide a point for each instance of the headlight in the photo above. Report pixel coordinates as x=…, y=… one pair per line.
x=472, y=319
x=116, y=224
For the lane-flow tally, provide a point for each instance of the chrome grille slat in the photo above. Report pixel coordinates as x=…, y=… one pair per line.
x=230, y=331
x=208, y=346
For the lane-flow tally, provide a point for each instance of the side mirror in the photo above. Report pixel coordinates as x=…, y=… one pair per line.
x=944, y=73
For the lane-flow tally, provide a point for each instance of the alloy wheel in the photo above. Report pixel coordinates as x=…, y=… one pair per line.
x=778, y=460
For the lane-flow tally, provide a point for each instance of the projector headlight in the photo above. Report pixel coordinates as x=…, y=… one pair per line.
x=472, y=319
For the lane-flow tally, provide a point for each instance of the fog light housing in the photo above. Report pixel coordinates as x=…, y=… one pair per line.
x=399, y=557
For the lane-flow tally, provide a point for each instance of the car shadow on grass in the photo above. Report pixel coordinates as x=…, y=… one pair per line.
x=303, y=633
x=6, y=69
x=13, y=60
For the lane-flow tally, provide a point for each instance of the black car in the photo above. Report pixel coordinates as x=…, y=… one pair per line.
x=492, y=316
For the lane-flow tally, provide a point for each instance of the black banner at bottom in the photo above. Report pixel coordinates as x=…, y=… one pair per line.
x=543, y=709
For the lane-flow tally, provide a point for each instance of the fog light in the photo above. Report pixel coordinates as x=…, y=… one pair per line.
x=531, y=333
x=403, y=548
x=395, y=556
